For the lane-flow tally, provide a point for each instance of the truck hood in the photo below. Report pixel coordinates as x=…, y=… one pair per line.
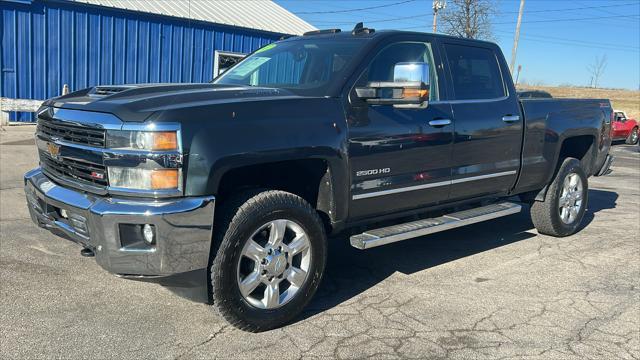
x=135, y=103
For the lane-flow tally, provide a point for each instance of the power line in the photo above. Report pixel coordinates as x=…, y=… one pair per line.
x=497, y=23
x=605, y=11
x=574, y=40
x=563, y=20
x=352, y=10
x=375, y=21
x=571, y=43
x=544, y=21
x=506, y=12
x=572, y=9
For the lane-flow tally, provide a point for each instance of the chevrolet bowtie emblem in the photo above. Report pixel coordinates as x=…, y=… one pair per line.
x=54, y=150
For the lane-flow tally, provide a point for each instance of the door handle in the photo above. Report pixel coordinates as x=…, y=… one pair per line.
x=439, y=122
x=511, y=118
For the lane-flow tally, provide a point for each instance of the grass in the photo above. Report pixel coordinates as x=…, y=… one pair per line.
x=626, y=100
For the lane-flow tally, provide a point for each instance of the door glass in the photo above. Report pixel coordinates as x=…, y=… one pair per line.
x=382, y=66
x=475, y=72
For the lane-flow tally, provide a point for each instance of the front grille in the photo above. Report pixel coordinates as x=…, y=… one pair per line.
x=72, y=133
x=81, y=171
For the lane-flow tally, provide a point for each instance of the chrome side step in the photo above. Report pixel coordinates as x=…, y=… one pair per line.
x=390, y=234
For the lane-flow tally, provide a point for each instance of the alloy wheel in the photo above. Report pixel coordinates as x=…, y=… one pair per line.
x=274, y=264
x=570, y=202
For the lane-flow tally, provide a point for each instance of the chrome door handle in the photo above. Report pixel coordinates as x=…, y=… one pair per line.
x=511, y=118
x=439, y=122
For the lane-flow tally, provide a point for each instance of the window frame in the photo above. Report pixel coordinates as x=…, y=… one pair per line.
x=450, y=83
x=431, y=46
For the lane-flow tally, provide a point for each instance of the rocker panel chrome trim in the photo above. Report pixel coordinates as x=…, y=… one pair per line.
x=431, y=185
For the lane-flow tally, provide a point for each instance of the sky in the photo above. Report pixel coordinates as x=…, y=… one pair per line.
x=559, y=39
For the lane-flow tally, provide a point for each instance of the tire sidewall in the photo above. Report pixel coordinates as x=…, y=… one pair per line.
x=630, y=137
x=243, y=225
x=570, y=166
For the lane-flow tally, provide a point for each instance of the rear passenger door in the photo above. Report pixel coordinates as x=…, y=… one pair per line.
x=488, y=127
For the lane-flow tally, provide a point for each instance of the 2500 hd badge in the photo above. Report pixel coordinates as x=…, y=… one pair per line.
x=373, y=172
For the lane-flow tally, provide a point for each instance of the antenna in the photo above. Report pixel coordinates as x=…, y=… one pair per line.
x=360, y=29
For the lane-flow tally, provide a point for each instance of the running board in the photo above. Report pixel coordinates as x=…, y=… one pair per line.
x=390, y=234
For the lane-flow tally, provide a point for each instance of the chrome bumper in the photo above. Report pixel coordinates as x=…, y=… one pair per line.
x=183, y=227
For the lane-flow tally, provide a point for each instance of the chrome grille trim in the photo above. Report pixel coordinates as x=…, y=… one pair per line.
x=76, y=170
x=71, y=133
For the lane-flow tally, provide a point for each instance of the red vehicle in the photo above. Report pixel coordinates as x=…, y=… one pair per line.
x=624, y=128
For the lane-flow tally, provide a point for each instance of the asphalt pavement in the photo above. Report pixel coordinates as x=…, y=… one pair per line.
x=492, y=290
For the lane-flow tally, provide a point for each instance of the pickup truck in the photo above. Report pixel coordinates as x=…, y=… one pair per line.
x=375, y=137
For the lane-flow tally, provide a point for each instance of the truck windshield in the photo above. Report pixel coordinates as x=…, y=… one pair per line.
x=305, y=67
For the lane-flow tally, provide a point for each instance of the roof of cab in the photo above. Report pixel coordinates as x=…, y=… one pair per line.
x=379, y=35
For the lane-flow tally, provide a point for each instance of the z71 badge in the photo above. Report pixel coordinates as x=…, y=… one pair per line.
x=373, y=172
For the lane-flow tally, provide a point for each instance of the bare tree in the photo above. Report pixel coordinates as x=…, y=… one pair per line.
x=469, y=18
x=596, y=69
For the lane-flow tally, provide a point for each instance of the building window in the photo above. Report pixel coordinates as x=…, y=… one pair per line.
x=223, y=60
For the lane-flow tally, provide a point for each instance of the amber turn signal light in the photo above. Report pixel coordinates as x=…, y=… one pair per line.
x=164, y=179
x=164, y=140
x=419, y=93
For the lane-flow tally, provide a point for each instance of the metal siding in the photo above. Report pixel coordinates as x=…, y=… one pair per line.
x=248, y=14
x=48, y=44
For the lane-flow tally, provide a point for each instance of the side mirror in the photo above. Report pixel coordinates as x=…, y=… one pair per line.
x=409, y=88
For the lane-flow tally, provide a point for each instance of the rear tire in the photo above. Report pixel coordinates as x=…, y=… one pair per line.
x=561, y=213
x=261, y=277
x=632, y=139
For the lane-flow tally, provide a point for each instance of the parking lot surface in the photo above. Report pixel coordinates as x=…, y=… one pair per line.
x=492, y=290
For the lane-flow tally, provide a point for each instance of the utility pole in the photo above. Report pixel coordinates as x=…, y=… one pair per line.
x=515, y=39
x=518, y=74
x=437, y=5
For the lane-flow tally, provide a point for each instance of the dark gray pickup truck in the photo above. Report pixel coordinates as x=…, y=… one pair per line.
x=374, y=136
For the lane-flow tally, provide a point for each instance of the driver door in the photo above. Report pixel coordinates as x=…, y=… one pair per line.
x=400, y=158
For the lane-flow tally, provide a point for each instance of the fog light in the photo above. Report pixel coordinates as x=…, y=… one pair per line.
x=148, y=232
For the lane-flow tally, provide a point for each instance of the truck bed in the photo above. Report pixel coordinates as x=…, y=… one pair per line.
x=548, y=122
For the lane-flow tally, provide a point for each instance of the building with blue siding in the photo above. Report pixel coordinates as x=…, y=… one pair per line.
x=83, y=43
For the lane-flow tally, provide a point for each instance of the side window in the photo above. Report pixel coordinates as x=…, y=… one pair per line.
x=381, y=68
x=475, y=73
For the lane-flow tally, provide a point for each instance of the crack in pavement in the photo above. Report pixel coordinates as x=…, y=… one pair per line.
x=208, y=340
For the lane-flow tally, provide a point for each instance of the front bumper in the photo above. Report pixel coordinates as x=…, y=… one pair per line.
x=183, y=227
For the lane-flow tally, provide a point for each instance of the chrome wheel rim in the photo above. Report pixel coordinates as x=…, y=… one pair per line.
x=570, y=202
x=274, y=264
x=634, y=136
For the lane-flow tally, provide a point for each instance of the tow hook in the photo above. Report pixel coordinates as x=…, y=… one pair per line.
x=86, y=252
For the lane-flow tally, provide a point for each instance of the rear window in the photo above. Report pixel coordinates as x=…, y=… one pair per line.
x=475, y=73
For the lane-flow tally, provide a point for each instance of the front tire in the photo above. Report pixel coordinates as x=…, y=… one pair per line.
x=561, y=213
x=270, y=259
x=632, y=139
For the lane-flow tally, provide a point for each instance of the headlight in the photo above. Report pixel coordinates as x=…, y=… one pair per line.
x=142, y=140
x=144, y=179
